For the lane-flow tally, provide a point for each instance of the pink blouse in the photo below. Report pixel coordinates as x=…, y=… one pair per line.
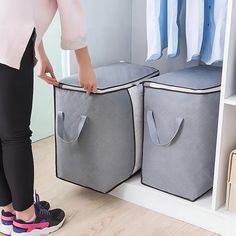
x=18, y=18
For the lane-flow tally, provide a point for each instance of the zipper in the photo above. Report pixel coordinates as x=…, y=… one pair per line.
x=111, y=89
x=183, y=90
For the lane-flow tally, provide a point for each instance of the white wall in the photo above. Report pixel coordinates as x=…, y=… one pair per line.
x=109, y=24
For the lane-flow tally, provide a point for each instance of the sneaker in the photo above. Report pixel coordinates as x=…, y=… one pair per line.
x=42, y=204
x=45, y=223
x=6, y=224
x=7, y=218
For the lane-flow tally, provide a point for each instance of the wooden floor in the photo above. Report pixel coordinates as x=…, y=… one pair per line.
x=92, y=214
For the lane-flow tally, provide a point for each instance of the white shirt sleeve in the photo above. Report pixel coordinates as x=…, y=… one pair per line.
x=174, y=7
x=73, y=26
x=194, y=28
x=156, y=28
x=220, y=15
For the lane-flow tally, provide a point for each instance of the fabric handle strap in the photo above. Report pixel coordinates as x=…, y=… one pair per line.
x=153, y=130
x=61, y=127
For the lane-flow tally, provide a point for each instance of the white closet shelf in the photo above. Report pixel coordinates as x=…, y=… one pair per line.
x=198, y=213
x=231, y=100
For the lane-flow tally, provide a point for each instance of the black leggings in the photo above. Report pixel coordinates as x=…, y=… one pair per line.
x=16, y=160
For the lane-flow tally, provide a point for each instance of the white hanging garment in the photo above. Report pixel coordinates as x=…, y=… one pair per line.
x=173, y=25
x=194, y=28
x=214, y=31
x=156, y=28
x=205, y=30
x=162, y=27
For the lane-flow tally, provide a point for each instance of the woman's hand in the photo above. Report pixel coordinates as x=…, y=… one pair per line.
x=88, y=79
x=87, y=76
x=45, y=72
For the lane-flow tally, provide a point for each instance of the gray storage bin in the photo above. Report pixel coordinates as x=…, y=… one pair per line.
x=180, y=131
x=99, y=137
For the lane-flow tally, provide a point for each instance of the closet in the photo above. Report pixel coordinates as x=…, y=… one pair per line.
x=117, y=32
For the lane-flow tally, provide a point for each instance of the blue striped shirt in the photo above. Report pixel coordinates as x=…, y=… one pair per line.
x=163, y=27
x=205, y=29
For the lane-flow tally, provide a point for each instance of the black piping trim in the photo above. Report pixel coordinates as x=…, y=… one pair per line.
x=149, y=76
x=96, y=94
x=55, y=131
x=55, y=136
x=174, y=194
x=202, y=94
x=84, y=186
x=169, y=85
x=99, y=94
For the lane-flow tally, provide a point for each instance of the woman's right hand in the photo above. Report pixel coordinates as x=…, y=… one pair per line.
x=46, y=71
x=88, y=79
x=87, y=76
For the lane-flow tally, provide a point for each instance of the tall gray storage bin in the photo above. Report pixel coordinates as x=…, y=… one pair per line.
x=180, y=130
x=99, y=137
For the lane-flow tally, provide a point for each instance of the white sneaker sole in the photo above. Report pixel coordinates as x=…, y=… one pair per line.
x=40, y=232
x=6, y=229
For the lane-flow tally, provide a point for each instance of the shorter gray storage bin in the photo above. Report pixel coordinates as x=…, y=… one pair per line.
x=180, y=130
x=99, y=137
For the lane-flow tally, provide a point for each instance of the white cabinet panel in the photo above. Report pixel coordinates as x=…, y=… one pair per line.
x=226, y=141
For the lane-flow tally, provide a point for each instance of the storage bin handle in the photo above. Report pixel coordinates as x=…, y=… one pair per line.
x=61, y=128
x=153, y=130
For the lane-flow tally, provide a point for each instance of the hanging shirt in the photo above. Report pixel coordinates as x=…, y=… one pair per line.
x=162, y=18
x=18, y=18
x=173, y=26
x=205, y=29
x=156, y=28
x=194, y=28
x=214, y=31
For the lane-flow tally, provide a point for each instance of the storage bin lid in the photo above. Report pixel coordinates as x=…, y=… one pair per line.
x=114, y=77
x=196, y=79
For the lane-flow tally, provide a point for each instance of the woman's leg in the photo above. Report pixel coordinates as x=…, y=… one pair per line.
x=5, y=193
x=16, y=92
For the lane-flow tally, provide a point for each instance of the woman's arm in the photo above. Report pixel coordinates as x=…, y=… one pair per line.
x=86, y=72
x=74, y=37
x=45, y=72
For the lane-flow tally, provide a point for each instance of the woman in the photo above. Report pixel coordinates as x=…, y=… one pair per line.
x=22, y=26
